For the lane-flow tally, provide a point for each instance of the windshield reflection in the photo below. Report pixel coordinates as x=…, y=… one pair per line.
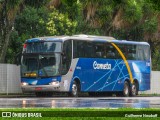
x=40, y=65
x=42, y=47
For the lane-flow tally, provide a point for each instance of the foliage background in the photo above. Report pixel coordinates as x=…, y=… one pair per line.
x=137, y=20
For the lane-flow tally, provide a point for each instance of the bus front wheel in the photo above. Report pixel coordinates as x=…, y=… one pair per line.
x=75, y=89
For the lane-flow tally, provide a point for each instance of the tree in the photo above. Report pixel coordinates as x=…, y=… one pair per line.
x=31, y=22
x=156, y=59
x=8, y=11
x=137, y=20
x=60, y=24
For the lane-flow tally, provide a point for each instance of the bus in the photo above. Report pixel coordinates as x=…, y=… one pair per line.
x=85, y=63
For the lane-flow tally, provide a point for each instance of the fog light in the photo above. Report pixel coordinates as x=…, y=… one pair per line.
x=24, y=83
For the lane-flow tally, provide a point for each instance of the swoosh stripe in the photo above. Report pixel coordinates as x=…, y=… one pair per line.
x=125, y=61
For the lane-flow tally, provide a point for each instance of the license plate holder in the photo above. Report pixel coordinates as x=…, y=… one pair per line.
x=38, y=88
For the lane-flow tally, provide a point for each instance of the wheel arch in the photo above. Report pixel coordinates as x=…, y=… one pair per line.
x=77, y=80
x=129, y=82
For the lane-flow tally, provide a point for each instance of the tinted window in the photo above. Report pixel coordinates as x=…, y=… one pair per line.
x=105, y=50
x=135, y=52
x=100, y=51
x=143, y=52
x=87, y=49
x=67, y=56
x=38, y=47
x=83, y=49
x=131, y=52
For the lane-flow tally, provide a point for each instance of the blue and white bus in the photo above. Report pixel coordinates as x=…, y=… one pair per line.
x=85, y=63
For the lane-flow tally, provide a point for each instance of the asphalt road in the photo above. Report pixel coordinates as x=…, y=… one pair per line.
x=80, y=102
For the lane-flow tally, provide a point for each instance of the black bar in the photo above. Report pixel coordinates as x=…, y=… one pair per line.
x=80, y=113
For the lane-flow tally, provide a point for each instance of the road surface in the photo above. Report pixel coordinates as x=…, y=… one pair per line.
x=80, y=102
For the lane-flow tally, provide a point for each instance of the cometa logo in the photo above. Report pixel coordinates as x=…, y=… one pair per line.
x=101, y=66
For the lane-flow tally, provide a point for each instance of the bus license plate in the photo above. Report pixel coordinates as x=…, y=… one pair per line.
x=38, y=88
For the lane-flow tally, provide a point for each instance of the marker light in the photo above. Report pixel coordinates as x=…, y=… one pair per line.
x=33, y=74
x=25, y=46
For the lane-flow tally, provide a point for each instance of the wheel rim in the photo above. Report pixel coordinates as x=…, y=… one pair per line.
x=134, y=89
x=126, y=89
x=74, y=89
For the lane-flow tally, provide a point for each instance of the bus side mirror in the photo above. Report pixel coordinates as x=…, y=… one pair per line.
x=18, y=59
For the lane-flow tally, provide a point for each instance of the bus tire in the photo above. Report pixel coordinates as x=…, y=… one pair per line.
x=74, y=90
x=134, y=89
x=126, y=89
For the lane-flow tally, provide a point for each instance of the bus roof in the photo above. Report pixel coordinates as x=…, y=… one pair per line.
x=85, y=38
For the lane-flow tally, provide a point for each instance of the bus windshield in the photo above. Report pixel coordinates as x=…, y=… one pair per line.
x=40, y=65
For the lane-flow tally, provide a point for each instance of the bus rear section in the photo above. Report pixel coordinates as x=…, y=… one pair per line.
x=102, y=67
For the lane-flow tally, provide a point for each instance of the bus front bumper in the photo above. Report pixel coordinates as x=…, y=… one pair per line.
x=40, y=88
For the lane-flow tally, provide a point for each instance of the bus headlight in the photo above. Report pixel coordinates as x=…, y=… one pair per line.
x=24, y=83
x=54, y=83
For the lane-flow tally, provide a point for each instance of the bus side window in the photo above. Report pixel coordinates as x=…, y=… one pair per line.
x=89, y=50
x=67, y=56
x=83, y=49
x=78, y=49
x=139, y=52
x=99, y=49
x=110, y=51
x=146, y=52
x=131, y=52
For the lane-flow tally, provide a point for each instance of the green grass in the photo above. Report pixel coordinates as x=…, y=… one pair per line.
x=82, y=113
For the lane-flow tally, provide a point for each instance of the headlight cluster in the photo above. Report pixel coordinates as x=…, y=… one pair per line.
x=54, y=83
x=24, y=83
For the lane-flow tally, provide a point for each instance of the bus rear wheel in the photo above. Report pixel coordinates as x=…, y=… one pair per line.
x=134, y=89
x=75, y=90
x=126, y=90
